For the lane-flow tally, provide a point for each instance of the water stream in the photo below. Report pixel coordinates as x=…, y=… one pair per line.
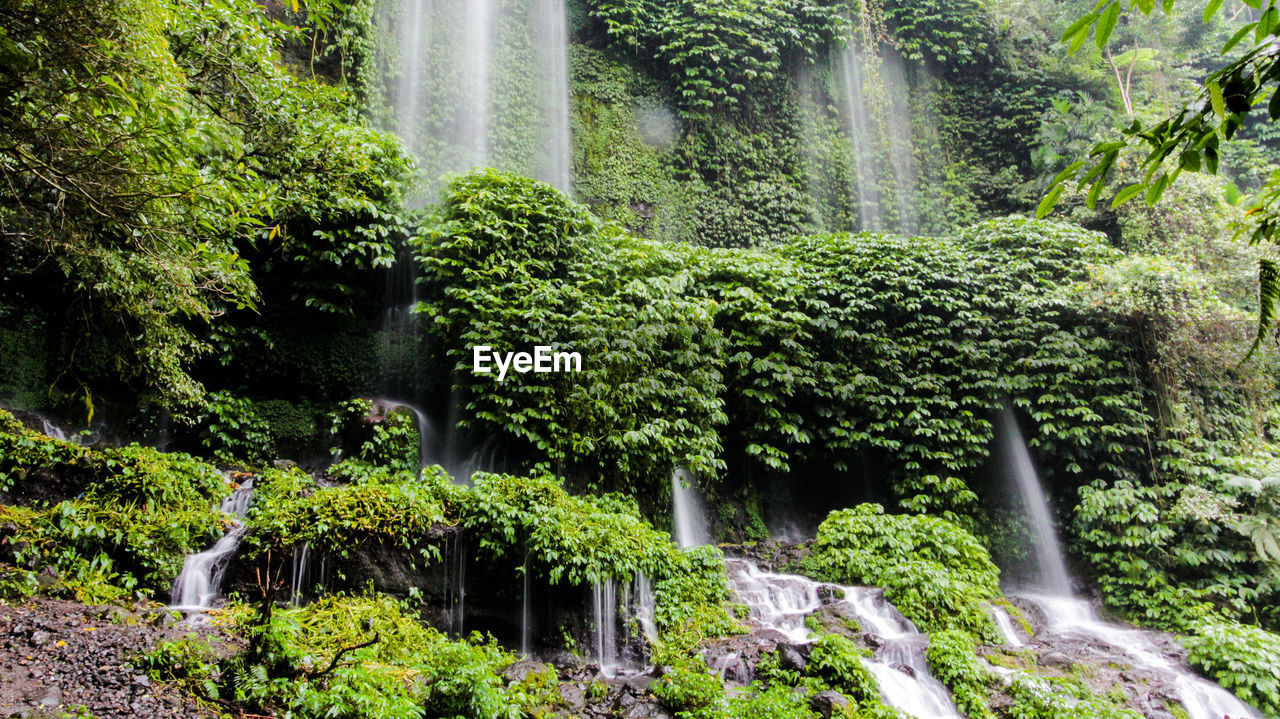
x=200, y=582
x=780, y=602
x=691, y=528
x=1072, y=617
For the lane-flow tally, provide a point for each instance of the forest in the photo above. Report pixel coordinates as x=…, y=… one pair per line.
x=926, y=359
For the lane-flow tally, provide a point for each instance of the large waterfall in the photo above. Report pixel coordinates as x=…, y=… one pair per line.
x=481, y=83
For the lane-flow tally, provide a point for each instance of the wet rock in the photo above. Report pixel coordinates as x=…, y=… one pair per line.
x=1054, y=659
x=573, y=695
x=284, y=464
x=645, y=710
x=793, y=656
x=522, y=669
x=830, y=594
x=827, y=703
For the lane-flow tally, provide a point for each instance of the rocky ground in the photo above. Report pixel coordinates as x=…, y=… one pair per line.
x=62, y=658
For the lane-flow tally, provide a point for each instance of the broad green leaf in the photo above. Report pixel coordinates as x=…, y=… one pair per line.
x=1106, y=25
x=1127, y=194
x=1051, y=199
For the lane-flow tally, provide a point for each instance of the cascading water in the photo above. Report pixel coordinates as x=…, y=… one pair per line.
x=1068, y=616
x=645, y=606
x=1005, y=622
x=859, y=134
x=604, y=606
x=1051, y=570
x=780, y=602
x=686, y=509
x=198, y=585
x=481, y=83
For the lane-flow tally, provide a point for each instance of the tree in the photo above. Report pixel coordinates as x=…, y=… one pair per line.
x=1190, y=139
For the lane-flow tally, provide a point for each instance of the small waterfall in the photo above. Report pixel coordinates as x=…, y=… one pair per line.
x=1005, y=622
x=199, y=583
x=1052, y=571
x=1203, y=699
x=852, y=64
x=526, y=629
x=781, y=602
x=645, y=606
x=49, y=429
x=872, y=101
x=777, y=601
x=426, y=431
x=604, y=606
x=686, y=509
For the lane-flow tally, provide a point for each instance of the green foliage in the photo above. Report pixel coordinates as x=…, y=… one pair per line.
x=397, y=510
x=952, y=656
x=353, y=657
x=689, y=689
x=232, y=431
x=823, y=348
x=1166, y=553
x=837, y=661
x=1192, y=138
x=718, y=52
x=151, y=147
x=139, y=513
x=934, y=572
x=1241, y=658
x=1038, y=697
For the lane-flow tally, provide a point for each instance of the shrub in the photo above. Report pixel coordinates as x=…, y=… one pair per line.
x=934, y=572
x=1241, y=658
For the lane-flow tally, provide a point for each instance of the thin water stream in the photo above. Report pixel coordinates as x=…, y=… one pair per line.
x=200, y=582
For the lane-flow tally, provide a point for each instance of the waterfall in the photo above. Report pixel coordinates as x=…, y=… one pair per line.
x=480, y=83
x=861, y=139
x=604, y=605
x=1005, y=622
x=1068, y=616
x=200, y=581
x=526, y=630
x=686, y=509
x=780, y=602
x=871, y=97
x=646, y=605
x=1052, y=571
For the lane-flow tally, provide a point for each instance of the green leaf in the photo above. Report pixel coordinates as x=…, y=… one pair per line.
x=1127, y=194
x=1156, y=189
x=1051, y=199
x=1076, y=26
x=1211, y=9
x=1216, y=99
x=1106, y=25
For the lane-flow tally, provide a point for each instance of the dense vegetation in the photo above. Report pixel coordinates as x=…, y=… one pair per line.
x=798, y=261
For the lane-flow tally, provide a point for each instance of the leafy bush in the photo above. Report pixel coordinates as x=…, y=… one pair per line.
x=139, y=513
x=1166, y=553
x=232, y=430
x=953, y=657
x=837, y=661
x=934, y=572
x=1241, y=658
x=350, y=657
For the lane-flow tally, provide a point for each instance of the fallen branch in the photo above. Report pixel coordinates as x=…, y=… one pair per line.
x=341, y=652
